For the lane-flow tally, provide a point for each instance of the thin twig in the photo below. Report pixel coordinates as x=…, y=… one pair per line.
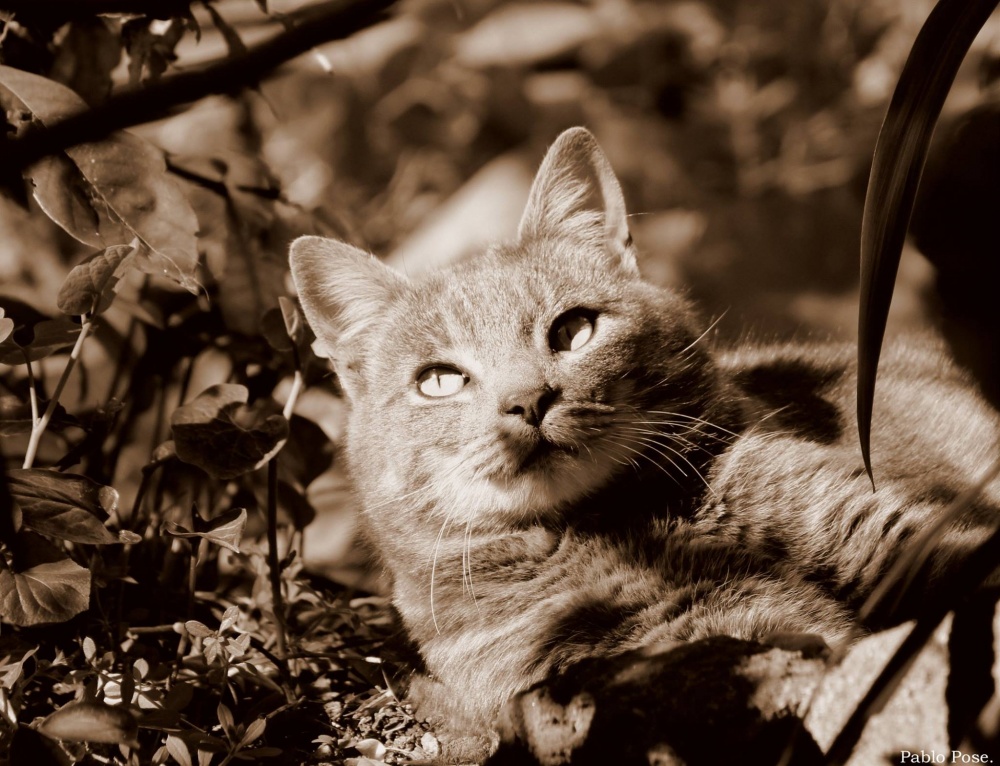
x=272, y=555
x=293, y=396
x=32, y=392
x=322, y=23
x=38, y=427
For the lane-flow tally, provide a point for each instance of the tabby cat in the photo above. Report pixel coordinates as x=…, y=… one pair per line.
x=554, y=466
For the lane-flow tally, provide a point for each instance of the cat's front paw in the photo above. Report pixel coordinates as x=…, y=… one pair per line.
x=462, y=732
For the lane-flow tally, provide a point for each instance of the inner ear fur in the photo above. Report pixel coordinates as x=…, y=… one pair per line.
x=343, y=290
x=576, y=194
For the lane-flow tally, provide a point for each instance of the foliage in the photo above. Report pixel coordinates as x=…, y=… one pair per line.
x=162, y=458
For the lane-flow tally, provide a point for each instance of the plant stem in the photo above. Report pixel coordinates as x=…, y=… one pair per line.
x=293, y=395
x=272, y=555
x=32, y=392
x=38, y=427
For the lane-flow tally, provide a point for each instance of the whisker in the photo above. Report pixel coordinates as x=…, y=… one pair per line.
x=707, y=331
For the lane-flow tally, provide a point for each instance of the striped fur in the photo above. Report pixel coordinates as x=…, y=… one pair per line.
x=665, y=496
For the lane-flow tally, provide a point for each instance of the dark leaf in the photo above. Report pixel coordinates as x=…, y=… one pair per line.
x=24, y=315
x=970, y=657
x=86, y=56
x=28, y=746
x=48, y=337
x=51, y=592
x=6, y=326
x=89, y=288
x=223, y=436
x=63, y=505
x=284, y=328
x=254, y=276
x=308, y=453
x=899, y=158
x=150, y=51
x=225, y=530
x=15, y=416
x=112, y=191
x=272, y=327
x=233, y=42
x=92, y=722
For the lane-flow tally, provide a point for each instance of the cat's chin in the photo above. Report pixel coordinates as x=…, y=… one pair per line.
x=543, y=485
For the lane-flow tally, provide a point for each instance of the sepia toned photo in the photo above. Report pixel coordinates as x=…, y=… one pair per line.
x=499, y=382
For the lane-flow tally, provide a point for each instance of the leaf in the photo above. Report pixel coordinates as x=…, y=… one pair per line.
x=112, y=191
x=178, y=750
x=970, y=658
x=225, y=530
x=900, y=153
x=198, y=630
x=28, y=746
x=234, y=43
x=63, y=505
x=254, y=732
x=225, y=717
x=371, y=748
x=48, y=337
x=50, y=592
x=6, y=326
x=284, y=328
x=89, y=288
x=223, y=436
x=15, y=416
x=87, y=54
x=92, y=722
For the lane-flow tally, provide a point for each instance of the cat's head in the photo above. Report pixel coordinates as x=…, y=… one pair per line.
x=507, y=387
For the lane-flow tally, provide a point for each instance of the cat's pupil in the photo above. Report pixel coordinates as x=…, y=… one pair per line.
x=571, y=331
x=440, y=380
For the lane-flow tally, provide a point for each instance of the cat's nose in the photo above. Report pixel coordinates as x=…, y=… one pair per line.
x=530, y=404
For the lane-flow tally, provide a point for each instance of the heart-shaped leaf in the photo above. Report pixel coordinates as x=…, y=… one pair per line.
x=48, y=337
x=6, y=326
x=225, y=530
x=223, y=436
x=90, y=286
x=65, y=506
x=112, y=191
x=16, y=416
x=54, y=591
x=92, y=722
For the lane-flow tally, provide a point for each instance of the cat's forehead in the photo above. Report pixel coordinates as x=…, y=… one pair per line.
x=507, y=290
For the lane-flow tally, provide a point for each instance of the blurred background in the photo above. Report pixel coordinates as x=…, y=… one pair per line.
x=741, y=130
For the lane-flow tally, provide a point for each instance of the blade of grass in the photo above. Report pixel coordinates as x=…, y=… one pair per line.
x=900, y=152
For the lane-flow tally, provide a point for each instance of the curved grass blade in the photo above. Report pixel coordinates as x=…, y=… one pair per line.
x=899, y=158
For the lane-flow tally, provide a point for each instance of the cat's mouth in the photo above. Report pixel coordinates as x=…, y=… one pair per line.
x=541, y=455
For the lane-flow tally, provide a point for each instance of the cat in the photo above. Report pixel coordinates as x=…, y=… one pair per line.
x=554, y=466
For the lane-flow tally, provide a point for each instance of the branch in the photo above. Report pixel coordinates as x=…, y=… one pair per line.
x=328, y=21
x=67, y=10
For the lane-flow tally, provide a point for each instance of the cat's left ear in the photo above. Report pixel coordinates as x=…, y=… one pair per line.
x=576, y=194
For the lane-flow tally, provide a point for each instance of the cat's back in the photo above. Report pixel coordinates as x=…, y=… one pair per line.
x=792, y=486
x=928, y=413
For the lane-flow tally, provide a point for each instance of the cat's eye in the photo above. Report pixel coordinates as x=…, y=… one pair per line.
x=572, y=330
x=441, y=380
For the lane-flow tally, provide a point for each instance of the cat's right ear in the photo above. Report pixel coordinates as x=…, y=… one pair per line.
x=576, y=194
x=343, y=291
